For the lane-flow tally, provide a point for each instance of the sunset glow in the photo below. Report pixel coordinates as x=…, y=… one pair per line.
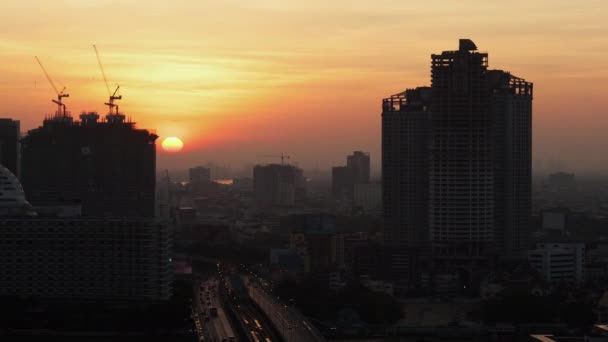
x=271, y=72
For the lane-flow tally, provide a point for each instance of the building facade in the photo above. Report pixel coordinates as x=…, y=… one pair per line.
x=277, y=185
x=78, y=258
x=108, y=166
x=405, y=158
x=559, y=262
x=10, y=147
x=456, y=161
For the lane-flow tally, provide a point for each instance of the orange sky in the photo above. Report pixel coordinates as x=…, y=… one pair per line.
x=238, y=79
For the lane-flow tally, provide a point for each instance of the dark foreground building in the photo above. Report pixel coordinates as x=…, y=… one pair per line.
x=80, y=258
x=108, y=166
x=9, y=145
x=456, y=162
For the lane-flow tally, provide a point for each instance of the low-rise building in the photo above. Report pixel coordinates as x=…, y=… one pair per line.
x=559, y=262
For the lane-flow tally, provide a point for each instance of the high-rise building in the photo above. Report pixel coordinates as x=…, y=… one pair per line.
x=405, y=158
x=277, y=185
x=358, y=164
x=199, y=174
x=10, y=153
x=46, y=256
x=109, y=166
x=511, y=108
x=344, y=178
x=457, y=160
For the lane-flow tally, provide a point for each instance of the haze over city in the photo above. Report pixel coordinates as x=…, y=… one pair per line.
x=236, y=80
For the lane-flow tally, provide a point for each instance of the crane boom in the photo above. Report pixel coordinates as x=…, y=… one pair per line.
x=111, y=105
x=47, y=75
x=60, y=105
x=102, y=71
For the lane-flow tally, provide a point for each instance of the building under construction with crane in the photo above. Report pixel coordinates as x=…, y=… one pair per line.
x=103, y=163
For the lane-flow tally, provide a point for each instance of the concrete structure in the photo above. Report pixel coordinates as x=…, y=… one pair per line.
x=368, y=196
x=344, y=178
x=10, y=148
x=277, y=185
x=80, y=258
x=457, y=162
x=358, y=164
x=405, y=157
x=559, y=262
x=199, y=174
x=108, y=166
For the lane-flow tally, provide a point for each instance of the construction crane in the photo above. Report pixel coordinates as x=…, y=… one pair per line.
x=111, y=105
x=282, y=157
x=60, y=94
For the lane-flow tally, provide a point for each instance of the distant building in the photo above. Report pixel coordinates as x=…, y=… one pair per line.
x=559, y=262
x=368, y=196
x=278, y=185
x=199, y=174
x=344, y=178
x=359, y=164
x=80, y=258
x=108, y=166
x=10, y=151
x=244, y=184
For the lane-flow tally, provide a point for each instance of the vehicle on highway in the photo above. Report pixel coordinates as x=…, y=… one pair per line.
x=213, y=312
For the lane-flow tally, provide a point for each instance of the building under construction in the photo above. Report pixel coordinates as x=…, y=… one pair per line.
x=456, y=162
x=107, y=165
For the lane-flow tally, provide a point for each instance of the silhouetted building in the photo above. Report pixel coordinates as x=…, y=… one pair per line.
x=277, y=185
x=80, y=258
x=344, y=178
x=10, y=153
x=199, y=174
x=457, y=161
x=358, y=163
x=109, y=166
x=368, y=196
x=405, y=158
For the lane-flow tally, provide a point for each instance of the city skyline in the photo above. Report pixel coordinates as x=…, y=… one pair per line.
x=233, y=94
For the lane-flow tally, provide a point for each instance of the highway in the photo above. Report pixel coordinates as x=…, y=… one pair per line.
x=254, y=324
x=215, y=323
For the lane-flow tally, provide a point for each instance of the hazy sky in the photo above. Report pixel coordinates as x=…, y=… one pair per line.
x=238, y=79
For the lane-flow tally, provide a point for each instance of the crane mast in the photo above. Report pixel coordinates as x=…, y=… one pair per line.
x=61, y=109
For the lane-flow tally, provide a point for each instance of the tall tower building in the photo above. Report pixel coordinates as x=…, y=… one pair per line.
x=461, y=177
x=10, y=153
x=405, y=157
x=511, y=107
x=108, y=166
x=462, y=158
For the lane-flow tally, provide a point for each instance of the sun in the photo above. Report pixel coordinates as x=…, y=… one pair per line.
x=172, y=144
